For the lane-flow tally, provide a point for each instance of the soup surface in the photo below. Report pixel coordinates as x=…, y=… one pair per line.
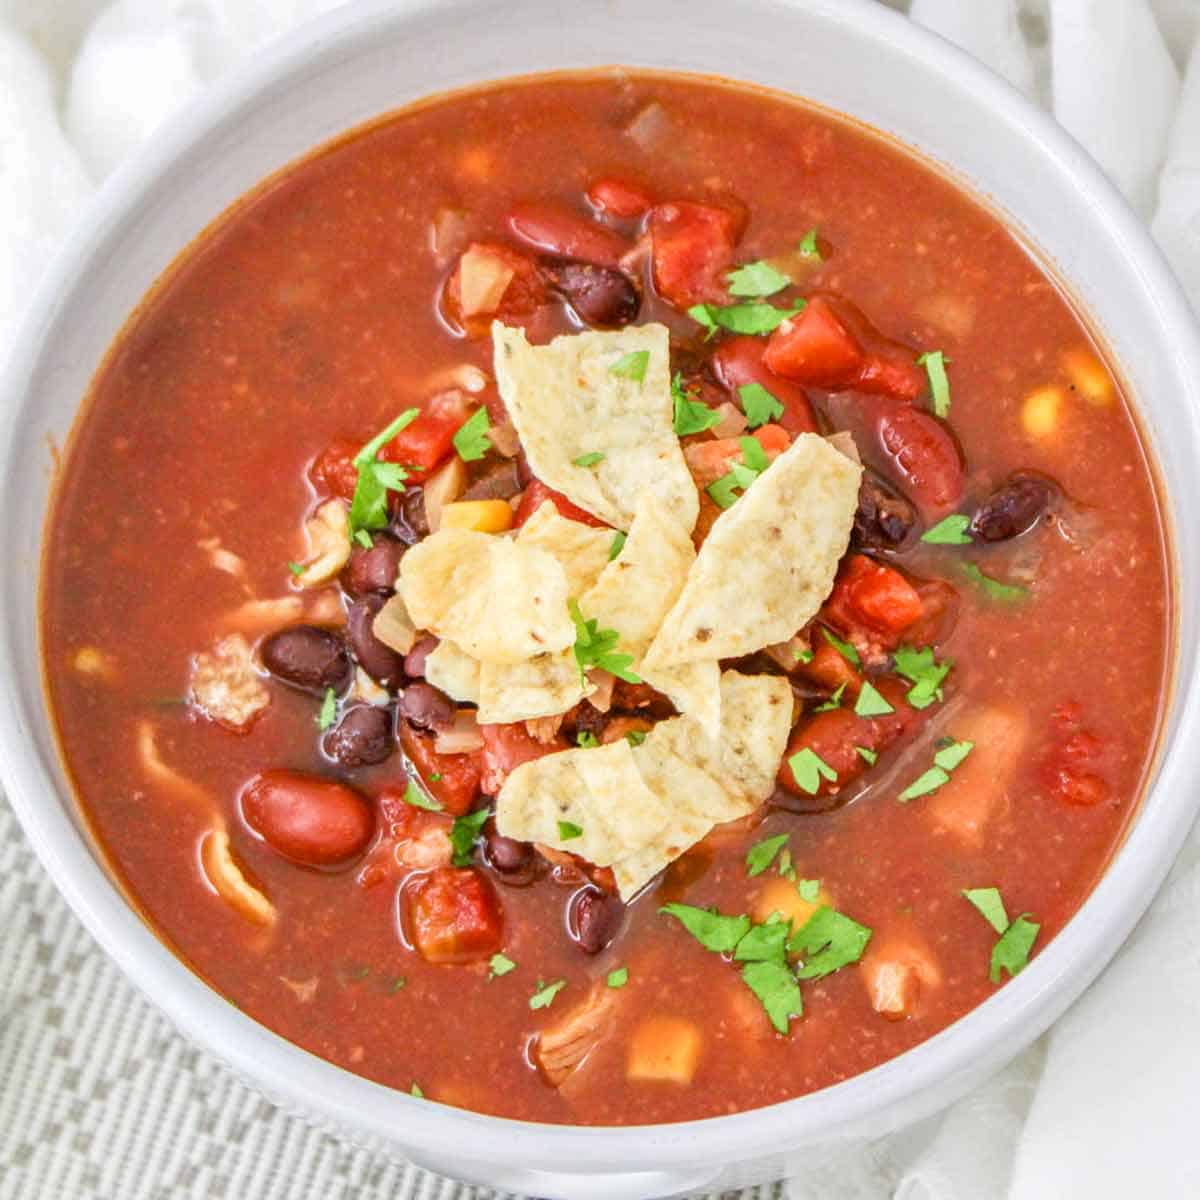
x=973, y=707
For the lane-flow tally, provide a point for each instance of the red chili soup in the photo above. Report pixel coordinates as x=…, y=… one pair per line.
x=293, y=745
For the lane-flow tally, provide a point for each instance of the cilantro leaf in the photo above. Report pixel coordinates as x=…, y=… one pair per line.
x=753, y=455
x=828, y=940
x=464, y=833
x=759, y=405
x=809, y=889
x=742, y=318
x=870, y=702
x=328, y=713
x=544, y=996
x=595, y=647
x=926, y=782
x=809, y=768
x=869, y=756
x=632, y=365
x=368, y=508
x=418, y=799
x=803, y=655
x=994, y=589
x=777, y=991
x=785, y=865
x=635, y=737
x=415, y=1090
x=471, y=440
x=808, y=245
x=924, y=672
x=500, y=964
x=988, y=902
x=713, y=930
x=618, y=978
x=845, y=649
x=741, y=474
x=756, y=279
x=1011, y=952
x=934, y=362
x=568, y=831
x=371, y=450
x=950, y=753
x=834, y=701
x=618, y=544
x=586, y=739
x=949, y=531
x=761, y=855
x=764, y=943
x=691, y=416
x=589, y=460
x=296, y=568
x=723, y=492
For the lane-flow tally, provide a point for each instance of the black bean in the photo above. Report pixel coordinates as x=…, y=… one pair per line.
x=600, y=296
x=373, y=570
x=586, y=719
x=1014, y=508
x=594, y=918
x=507, y=855
x=424, y=707
x=790, y=802
x=501, y=481
x=308, y=657
x=363, y=736
x=409, y=522
x=414, y=660
x=381, y=662
x=883, y=520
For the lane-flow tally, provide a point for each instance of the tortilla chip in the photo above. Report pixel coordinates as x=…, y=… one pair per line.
x=694, y=689
x=541, y=687
x=566, y=402
x=453, y=672
x=581, y=550
x=495, y=599
x=769, y=561
x=597, y=790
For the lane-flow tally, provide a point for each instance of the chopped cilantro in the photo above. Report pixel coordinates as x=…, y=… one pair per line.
x=828, y=940
x=809, y=889
x=845, y=649
x=808, y=245
x=589, y=460
x=764, y=943
x=950, y=753
x=988, y=902
x=753, y=455
x=756, y=279
x=777, y=991
x=948, y=756
x=371, y=450
x=691, y=416
x=870, y=702
x=418, y=799
x=713, y=930
x=759, y=405
x=632, y=365
x=934, y=362
x=295, y=568
x=595, y=647
x=869, y=756
x=368, y=509
x=1011, y=952
x=809, y=768
x=635, y=737
x=618, y=978
x=544, y=996
x=568, y=831
x=834, y=701
x=994, y=589
x=397, y=985
x=586, y=739
x=742, y=318
x=415, y=1090
x=924, y=672
x=464, y=833
x=471, y=440
x=761, y=855
x=949, y=531
x=328, y=713
x=785, y=865
x=741, y=474
x=803, y=655
x=618, y=544
x=435, y=777
x=500, y=964
x=363, y=538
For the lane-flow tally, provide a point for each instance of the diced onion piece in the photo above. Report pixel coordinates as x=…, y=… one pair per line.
x=367, y=690
x=462, y=737
x=781, y=896
x=445, y=486
x=1041, y=411
x=448, y=233
x=229, y=881
x=732, y=423
x=1088, y=375
x=665, y=1049
x=305, y=990
x=393, y=626
x=652, y=128
x=483, y=279
x=485, y=516
x=96, y=663
x=328, y=534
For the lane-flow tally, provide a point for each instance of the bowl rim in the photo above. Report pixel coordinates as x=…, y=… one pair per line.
x=991, y=1033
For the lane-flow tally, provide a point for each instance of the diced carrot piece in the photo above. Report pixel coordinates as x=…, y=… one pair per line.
x=454, y=916
x=709, y=460
x=781, y=896
x=664, y=1049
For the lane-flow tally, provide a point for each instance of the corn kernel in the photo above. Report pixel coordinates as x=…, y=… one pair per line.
x=484, y=516
x=1088, y=375
x=664, y=1048
x=781, y=896
x=1041, y=411
x=90, y=660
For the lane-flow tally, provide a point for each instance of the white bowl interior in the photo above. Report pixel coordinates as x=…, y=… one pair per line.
x=851, y=55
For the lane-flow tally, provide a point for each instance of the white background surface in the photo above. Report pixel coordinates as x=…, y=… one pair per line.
x=99, y=1100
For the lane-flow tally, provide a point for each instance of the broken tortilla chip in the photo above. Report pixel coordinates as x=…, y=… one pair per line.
x=453, y=672
x=544, y=686
x=598, y=393
x=581, y=550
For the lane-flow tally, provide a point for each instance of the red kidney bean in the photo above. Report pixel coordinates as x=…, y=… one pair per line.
x=312, y=821
x=381, y=662
x=924, y=455
x=594, y=918
x=414, y=660
x=1013, y=508
x=307, y=657
x=424, y=707
x=600, y=296
x=373, y=570
x=362, y=737
x=565, y=234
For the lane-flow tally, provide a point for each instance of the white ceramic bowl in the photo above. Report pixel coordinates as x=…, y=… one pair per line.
x=852, y=55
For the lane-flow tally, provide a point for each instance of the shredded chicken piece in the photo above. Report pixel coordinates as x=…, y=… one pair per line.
x=328, y=534
x=263, y=616
x=222, y=559
x=560, y=1049
x=544, y=729
x=602, y=681
x=225, y=685
x=167, y=777
x=229, y=880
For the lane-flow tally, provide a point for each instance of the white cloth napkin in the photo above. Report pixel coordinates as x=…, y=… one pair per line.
x=1103, y=1107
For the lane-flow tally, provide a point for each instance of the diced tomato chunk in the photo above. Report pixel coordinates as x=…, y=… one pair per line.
x=1072, y=769
x=939, y=613
x=333, y=472
x=924, y=457
x=454, y=916
x=691, y=249
x=739, y=362
x=488, y=295
x=829, y=669
x=452, y=779
x=618, y=198
x=506, y=747
x=429, y=440
x=565, y=234
x=537, y=493
x=868, y=593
